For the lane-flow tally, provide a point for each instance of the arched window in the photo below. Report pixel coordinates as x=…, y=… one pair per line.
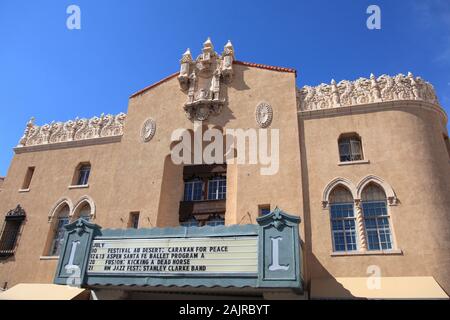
x=82, y=173
x=217, y=188
x=350, y=147
x=376, y=218
x=61, y=219
x=84, y=212
x=343, y=220
x=193, y=190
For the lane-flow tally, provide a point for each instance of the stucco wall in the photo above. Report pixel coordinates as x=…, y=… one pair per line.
x=403, y=143
x=405, y=147
x=50, y=184
x=246, y=187
x=132, y=176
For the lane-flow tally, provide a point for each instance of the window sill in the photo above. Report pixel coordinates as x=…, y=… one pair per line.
x=203, y=200
x=368, y=253
x=349, y=163
x=24, y=190
x=49, y=258
x=84, y=186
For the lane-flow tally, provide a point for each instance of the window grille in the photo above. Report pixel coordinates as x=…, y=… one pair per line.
x=193, y=190
x=83, y=175
x=215, y=220
x=376, y=219
x=59, y=236
x=62, y=219
x=217, y=188
x=343, y=220
x=350, y=149
x=11, y=231
x=191, y=222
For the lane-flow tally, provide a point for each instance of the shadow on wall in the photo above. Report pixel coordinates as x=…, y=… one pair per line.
x=239, y=78
x=334, y=288
x=312, y=266
x=172, y=189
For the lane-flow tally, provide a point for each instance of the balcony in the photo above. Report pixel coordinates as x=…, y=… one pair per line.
x=188, y=208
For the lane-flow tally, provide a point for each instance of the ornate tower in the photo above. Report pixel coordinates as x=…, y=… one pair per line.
x=202, y=80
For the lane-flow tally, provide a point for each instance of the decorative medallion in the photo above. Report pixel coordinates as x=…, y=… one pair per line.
x=148, y=130
x=264, y=115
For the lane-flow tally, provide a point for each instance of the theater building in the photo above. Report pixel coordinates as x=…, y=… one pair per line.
x=353, y=204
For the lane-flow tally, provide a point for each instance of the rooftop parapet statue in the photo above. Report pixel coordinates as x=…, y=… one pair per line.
x=365, y=91
x=72, y=130
x=203, y=78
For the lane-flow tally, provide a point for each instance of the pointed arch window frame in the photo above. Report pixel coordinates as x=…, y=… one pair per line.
x=381, y=223
x=356, y=191
x=346, y=224
x=71, y=217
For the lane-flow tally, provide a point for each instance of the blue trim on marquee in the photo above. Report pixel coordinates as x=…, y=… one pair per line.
x=276, y=225
x=181, y=232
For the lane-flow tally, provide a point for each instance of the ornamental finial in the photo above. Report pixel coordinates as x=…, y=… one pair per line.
x=208, y=46
x=187, y=56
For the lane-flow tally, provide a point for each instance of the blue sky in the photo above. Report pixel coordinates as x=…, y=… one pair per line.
x=53, y=73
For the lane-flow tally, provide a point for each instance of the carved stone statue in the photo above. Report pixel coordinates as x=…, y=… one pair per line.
x=202, y=80
x=79, y=129
x=364, y=91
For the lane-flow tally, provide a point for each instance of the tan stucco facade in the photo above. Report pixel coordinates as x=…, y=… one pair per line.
x=403, y=147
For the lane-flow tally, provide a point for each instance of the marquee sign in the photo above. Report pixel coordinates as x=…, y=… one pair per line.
x=261, y=256
x=174, y=256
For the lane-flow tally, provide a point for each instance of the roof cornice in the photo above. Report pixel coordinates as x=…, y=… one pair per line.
x=242, y=63
x=373, y=107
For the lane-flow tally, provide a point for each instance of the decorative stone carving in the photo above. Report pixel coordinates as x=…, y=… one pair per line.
x=73, y=130
x=264, y=115
x=148, y=130
x=202, y=80
x=365, y=91
x=17, y=213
